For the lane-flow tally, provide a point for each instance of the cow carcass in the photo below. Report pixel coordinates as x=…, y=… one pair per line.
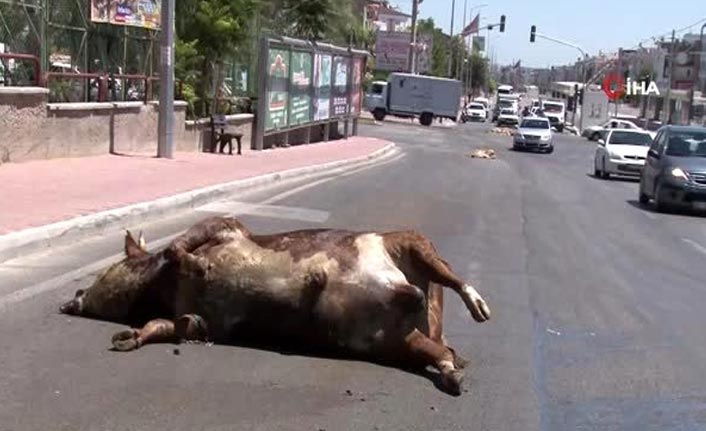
x=373, y=294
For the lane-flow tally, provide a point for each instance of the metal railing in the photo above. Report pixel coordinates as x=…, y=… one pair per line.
x=36, y=68
x=99, y=87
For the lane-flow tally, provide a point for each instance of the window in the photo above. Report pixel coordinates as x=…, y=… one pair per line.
x=660, y=143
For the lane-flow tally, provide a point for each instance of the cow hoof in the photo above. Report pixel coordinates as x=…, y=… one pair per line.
x=452, y=382
x=125, y=341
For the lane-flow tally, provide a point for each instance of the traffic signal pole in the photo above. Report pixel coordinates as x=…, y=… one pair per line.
x=165, y=128
x=534, y=34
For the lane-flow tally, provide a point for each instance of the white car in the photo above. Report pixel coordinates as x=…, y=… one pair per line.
x=508, y=116
x=534, y=133
x=475, y=112
x=594, y=133
x=622, y=152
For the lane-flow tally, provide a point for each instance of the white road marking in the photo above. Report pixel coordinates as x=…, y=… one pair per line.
x=700, y=248
x=291, y=213
x=66, y=278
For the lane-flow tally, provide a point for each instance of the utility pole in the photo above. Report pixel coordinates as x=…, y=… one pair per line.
x=165, y=138
x=451, y=38
x=672, y=60
x=413, y=42
x=462, y=56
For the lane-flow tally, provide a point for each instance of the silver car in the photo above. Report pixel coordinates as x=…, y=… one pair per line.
x=534, y=133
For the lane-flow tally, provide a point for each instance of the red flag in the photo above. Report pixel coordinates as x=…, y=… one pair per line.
x=472, y=28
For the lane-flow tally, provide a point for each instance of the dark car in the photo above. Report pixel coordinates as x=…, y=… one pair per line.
x=675, y=170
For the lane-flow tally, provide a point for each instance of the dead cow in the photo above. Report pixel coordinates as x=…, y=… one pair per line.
x=373, y=294
x=484, y=153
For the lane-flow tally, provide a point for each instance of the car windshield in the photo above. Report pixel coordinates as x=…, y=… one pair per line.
x=476, y=106
x=505, y=103
x=507, y=112
x=687, y=144
x=628, y=138
x=551, y=107
x=535, y=124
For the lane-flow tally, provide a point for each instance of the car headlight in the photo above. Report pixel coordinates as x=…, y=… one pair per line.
x=614, y=156
x=679, y=173
x=546, y=137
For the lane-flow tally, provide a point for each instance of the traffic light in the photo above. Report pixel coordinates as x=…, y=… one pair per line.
x=502, y=23
x=533, y=32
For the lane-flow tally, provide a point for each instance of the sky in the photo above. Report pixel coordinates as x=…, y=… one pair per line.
x=592, y=24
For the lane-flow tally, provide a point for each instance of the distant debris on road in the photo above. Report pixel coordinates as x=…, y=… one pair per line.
x=483, y=153
x=503, y=131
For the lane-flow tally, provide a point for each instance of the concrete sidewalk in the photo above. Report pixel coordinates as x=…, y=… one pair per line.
x=63, y=194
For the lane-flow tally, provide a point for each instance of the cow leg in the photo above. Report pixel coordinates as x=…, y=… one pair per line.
x=441, y=273
x=425, y=351
x=416, y=256
x=189, y=327
x=435, y=316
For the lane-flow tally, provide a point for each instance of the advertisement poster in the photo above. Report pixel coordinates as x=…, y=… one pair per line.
x=136, y=13
x=300, y=90
x=322, y=87
x=340, y=86
x=278, y=71
x=356, y=88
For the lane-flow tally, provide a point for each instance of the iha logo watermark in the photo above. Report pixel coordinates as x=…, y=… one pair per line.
x=615, y=87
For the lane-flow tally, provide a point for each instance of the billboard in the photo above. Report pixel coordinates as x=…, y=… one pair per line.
x=322, y=86
x=136, y=13
x=300, y=91
x=356, y=88
x=340, y=85
x=392, y=51
x=277, y=96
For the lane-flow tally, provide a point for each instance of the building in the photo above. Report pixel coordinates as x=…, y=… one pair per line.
x=383, y=17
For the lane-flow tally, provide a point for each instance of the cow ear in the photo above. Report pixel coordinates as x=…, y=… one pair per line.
x=132, y=248
x=142, y=243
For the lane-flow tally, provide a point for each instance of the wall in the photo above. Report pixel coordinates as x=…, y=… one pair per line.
x=31, y=128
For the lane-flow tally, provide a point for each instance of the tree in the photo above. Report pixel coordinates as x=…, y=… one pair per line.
x=211, y=31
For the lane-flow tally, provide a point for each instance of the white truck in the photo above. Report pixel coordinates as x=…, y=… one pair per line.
x=555, y=111
x=411, y=96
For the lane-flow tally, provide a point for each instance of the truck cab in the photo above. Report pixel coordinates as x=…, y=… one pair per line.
x=555, y=112
x=376, y=100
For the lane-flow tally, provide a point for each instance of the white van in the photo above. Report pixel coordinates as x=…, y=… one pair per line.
x=555, y=112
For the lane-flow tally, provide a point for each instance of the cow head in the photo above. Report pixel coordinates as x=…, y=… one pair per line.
x=114, y=294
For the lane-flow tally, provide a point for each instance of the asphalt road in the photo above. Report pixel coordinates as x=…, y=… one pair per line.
x=598, y=310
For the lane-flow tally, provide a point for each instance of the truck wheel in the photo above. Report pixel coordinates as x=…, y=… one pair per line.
x=560, y=128
x=379, y=114
x=426, y=119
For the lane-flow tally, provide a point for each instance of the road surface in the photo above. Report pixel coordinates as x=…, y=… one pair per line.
x=598, y=310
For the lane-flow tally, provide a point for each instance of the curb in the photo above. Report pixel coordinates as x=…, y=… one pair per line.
x=64, y=232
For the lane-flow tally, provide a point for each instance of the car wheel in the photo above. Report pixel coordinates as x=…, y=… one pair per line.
x=379, y=114
x=550, y=150
x=604, y=174
x=644, y=199
x=596, y=136
x=660, y=205
x=426, y=119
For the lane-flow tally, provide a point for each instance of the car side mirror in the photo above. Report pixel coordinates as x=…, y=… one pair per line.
x=654, y=154
x=601, y=142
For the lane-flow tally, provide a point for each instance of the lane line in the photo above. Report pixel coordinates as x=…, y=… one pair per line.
x=236, y=208
x=700, y=248
x=64, y=279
